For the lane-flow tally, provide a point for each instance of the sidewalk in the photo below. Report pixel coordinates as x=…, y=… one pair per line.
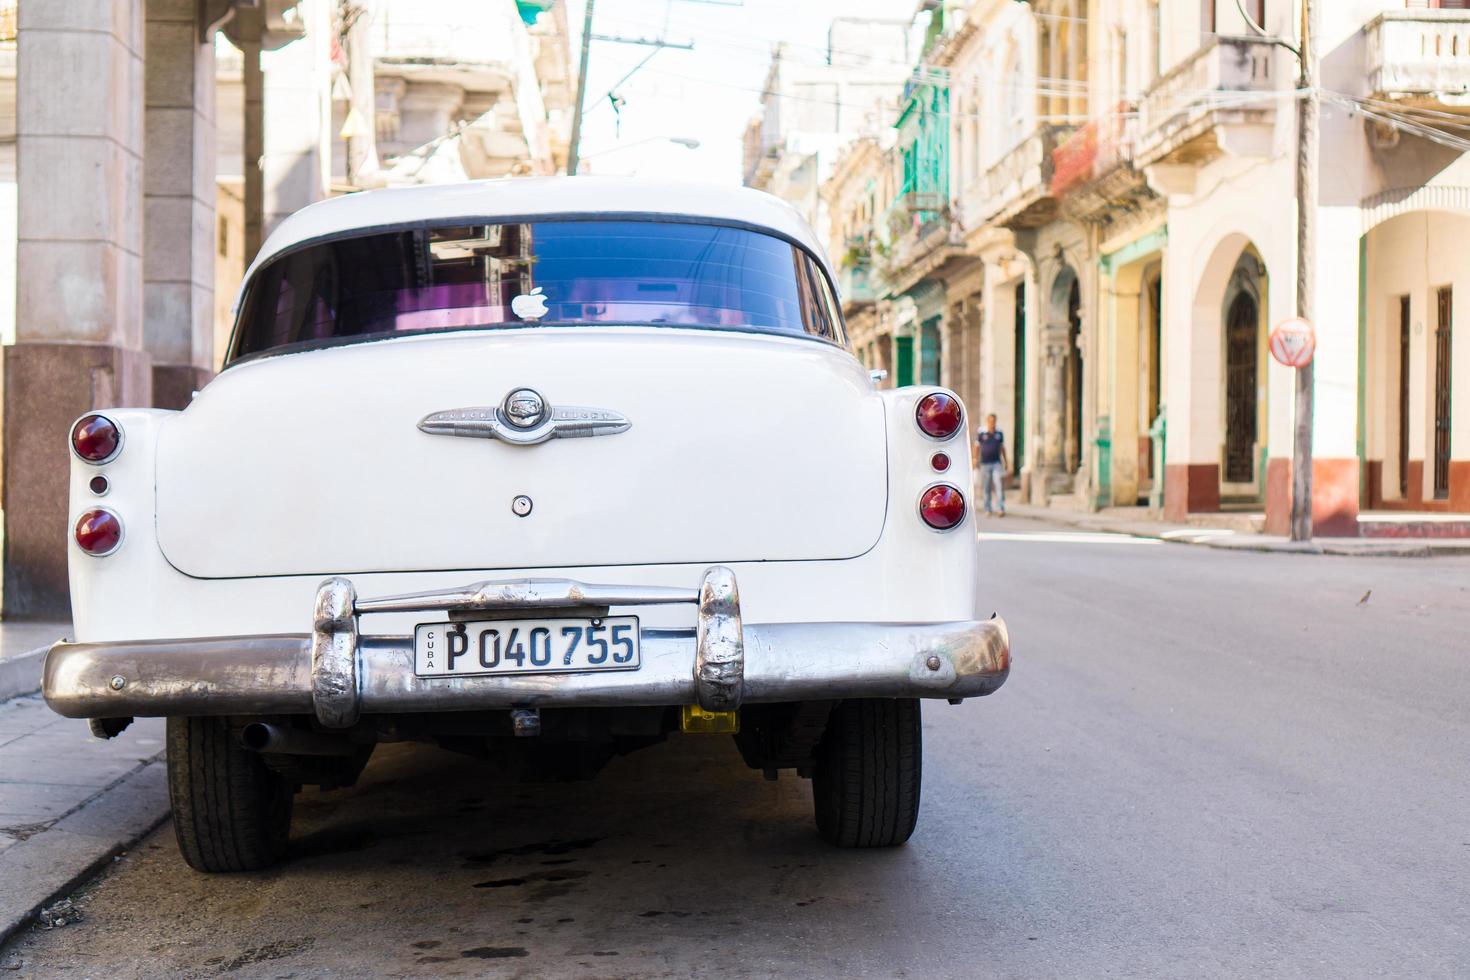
x=68, y=802
x=22, y=648
x=1135, y=522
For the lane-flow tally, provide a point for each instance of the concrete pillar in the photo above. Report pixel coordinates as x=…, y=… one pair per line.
x=253, y=146
x=1000, y=380
x=973, y=331
x=296, y=159
x=361, y=149
x=1126, y=325
x=79, y=297
x=1032, y=483
x=178, y=202
x=1193, y=378
x=951, y=351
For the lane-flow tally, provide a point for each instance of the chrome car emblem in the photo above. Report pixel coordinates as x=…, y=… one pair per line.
x=524, y=418
x=524, y=408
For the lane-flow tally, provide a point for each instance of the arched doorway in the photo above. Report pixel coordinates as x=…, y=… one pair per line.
x=1061, y=394
x=1243, y=354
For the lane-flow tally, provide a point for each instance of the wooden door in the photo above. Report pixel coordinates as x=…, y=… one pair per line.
x=1443, y=348
x=1073, y=370
x=1403, y=396
x=1242, y=350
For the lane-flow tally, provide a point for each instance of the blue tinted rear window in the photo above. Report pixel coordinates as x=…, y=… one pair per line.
x=562, y=273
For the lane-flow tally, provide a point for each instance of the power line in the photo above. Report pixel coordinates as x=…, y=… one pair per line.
x=1050, y=87
x=1224, y=98
x=1397, y=121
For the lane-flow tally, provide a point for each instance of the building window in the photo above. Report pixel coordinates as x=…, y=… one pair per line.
x=1120, y=62
x=1155, y=42
x=1063, y=58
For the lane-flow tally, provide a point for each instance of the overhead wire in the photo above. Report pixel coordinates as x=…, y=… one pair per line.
x=1044, y=88
x=1224, y=97
x=1415, y=120
x=768, y=43
x=1395, y=120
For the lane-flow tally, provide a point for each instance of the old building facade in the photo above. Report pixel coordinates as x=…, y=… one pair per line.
x=1118, y=240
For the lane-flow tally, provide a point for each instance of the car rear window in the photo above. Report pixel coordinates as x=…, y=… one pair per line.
x=540, y=273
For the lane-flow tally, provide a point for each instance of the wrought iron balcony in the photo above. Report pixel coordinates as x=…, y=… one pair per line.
x=1215, y=101
x=856, y=285
x=1092, y=170
x=1421, y=56
x=915, y=211
x=1017, y=189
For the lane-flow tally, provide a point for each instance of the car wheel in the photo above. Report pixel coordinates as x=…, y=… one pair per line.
x=231, y=812
x=866, y=784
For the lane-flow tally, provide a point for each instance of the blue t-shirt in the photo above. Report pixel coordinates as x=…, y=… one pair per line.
x=990, y=444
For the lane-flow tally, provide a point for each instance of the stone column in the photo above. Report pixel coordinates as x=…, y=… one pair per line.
x=973, y=346
x=79, y=300
x=253, y=145
x=999, y=381
x=1123, y=400
x=178, y=202
x=296, y=159
x=951, y=353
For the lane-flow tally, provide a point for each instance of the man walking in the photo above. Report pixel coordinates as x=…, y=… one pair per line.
x=990, y=444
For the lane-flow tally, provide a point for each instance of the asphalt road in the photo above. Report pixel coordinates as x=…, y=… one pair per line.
x=1204, y=764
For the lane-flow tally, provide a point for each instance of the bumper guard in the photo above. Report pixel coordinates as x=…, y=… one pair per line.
x=338, y=673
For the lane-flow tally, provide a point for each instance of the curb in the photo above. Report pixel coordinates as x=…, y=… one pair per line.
x=1342, y=547
x=41, y=869
x=22, y=674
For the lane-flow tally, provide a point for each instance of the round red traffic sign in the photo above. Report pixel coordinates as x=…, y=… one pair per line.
x=1293, y=342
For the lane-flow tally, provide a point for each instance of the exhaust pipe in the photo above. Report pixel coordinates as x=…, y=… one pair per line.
x=260, y=736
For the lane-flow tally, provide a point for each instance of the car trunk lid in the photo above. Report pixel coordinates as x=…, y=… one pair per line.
x=740, y=447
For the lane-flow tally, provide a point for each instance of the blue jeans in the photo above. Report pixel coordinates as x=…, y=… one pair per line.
x=992, y=480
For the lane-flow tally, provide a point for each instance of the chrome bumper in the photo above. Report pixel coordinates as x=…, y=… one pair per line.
x=338, y=674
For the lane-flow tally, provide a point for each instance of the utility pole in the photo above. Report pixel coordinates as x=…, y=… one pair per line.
x=572, y=154
x=1308, y=115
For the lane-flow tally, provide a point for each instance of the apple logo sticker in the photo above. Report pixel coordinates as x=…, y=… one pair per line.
x=529, y=306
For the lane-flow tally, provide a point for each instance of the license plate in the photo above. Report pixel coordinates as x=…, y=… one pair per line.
x=525, y=646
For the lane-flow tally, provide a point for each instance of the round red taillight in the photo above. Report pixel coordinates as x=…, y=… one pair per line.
x=940, y=462
x=942, y=507
x=95, y=438
x=98, y=532
x=939, y=415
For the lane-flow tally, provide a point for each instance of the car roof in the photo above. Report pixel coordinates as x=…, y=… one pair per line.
x=537, y=197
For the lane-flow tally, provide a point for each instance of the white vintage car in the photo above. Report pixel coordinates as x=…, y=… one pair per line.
x=542, y=470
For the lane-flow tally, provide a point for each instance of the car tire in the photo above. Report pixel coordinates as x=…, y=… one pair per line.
x=869, y=766
x=231, y=812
